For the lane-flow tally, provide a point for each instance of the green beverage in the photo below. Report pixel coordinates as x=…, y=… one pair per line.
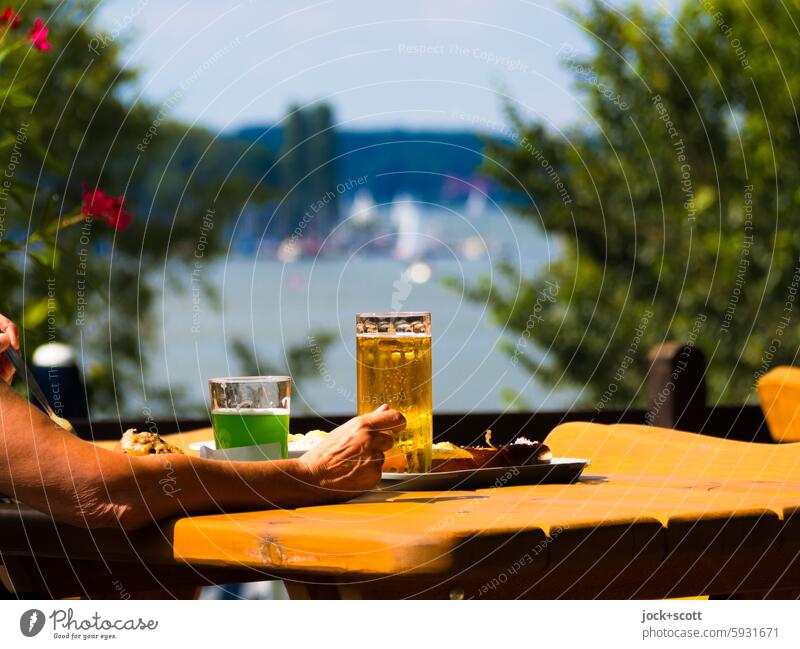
x=250, y=416
x=251, y=427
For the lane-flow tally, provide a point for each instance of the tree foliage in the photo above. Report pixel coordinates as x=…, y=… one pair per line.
x=83, y=121
x=674, y=206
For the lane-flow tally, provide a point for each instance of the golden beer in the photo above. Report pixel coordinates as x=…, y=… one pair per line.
x=393, y=356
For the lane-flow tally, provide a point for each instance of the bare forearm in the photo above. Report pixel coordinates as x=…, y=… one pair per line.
x=80, y=483
x=178, y=484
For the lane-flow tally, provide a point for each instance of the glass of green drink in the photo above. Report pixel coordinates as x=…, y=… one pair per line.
x=250, y=416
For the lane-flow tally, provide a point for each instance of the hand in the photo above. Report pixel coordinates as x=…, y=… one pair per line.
x=9, y=337
x=348, y=461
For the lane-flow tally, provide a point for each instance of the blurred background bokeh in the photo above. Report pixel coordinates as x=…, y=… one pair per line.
x=562, y=186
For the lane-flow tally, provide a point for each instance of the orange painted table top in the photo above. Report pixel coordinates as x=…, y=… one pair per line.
x=658, y=513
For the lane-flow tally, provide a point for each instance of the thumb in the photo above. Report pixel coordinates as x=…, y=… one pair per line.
x=385, y=420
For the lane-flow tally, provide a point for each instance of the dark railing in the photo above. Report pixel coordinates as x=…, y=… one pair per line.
x=675, y=387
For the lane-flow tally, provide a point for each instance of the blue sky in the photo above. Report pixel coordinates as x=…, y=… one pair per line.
x=409, y=63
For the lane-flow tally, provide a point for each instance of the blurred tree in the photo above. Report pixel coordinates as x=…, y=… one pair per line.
x=81, y=122
x=300, y=361
x=674, y=207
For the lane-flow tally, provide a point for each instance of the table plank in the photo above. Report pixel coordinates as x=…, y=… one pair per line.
x=645, y=450
x=691, y=494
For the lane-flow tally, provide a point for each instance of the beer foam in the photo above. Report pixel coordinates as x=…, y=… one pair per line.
x=250, y=411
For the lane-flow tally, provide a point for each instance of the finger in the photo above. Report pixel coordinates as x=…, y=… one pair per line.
x=375, y=468
x=6, y=371
x=387, y=421
x=10, y=330
x=5, y=323
x=381, y=441
x=14, y=335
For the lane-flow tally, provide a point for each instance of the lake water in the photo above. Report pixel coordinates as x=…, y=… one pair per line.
x=272, y=306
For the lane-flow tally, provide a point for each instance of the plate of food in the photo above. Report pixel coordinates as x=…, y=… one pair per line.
x=523, y=462
x=475, y=467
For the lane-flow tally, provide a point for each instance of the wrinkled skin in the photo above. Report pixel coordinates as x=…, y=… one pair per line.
x=350, y=458
x=77, y=482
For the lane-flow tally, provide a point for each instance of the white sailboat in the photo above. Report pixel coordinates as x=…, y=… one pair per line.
x=475, y=204
x=406, y=217
x=362, y=210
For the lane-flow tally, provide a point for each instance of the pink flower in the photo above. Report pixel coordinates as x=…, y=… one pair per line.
x=98, y=204
x=38, y=36
x=10, y=18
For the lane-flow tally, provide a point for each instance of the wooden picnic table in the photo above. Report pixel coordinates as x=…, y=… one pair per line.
x=659, y=513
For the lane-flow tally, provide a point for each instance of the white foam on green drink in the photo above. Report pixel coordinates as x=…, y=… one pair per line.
x=251, y=411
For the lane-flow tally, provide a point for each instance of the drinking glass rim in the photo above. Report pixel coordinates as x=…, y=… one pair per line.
x=390, y=314
x=250, y=379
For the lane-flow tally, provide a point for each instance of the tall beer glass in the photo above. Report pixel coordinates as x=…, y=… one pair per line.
x=393, y=357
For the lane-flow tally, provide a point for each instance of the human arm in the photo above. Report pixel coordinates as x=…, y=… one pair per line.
x=83, y=484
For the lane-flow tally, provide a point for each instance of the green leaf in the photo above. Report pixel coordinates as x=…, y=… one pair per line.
x=36, y=312
x=20, y=100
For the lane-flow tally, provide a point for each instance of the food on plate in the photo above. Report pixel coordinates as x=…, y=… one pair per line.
x=522, y=451
x=525, y=451
x=447, y=456
x=301, y=442
x=134, y=442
